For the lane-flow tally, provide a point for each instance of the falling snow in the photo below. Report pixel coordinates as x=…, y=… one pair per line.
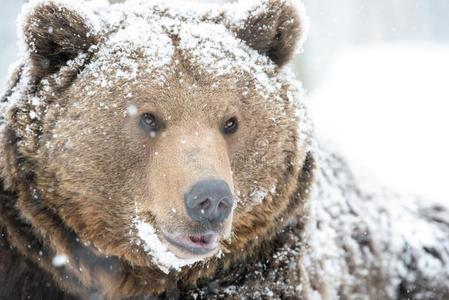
x=60, y=260
x=342, y=214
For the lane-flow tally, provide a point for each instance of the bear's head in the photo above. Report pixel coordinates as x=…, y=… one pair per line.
x=168, y=138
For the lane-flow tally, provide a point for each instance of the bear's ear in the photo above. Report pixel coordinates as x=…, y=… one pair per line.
x=275, y=28
x=53, y=35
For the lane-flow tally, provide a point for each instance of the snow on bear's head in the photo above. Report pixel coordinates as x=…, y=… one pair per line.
x=167, y=134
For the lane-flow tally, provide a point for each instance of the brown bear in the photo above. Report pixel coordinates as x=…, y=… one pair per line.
x=163, y=150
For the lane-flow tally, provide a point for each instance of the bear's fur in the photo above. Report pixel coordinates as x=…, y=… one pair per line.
x=87, y=194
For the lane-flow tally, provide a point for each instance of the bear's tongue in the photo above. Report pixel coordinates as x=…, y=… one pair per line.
x=196, y=243
x=202, y=240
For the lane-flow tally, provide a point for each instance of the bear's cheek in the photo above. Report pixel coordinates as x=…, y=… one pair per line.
x=95, y=178
x=260, y=161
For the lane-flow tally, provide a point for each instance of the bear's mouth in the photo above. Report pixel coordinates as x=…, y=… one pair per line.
x=197, y=244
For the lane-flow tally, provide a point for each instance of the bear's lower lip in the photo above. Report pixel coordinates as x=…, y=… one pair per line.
x=196, y=244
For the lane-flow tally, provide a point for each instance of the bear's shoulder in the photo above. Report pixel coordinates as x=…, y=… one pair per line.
x=19, y=277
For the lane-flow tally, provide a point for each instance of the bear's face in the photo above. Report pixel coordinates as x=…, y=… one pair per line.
x=176, y=132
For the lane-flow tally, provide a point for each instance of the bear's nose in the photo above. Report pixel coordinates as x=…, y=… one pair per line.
x=209, y=200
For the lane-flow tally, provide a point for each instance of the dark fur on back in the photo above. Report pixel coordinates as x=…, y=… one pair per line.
x=20, y=277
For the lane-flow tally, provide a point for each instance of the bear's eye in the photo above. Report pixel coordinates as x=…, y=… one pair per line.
x=230, y=126
x=150, y=122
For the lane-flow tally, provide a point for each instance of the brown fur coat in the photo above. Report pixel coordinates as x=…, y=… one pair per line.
x=344, y=247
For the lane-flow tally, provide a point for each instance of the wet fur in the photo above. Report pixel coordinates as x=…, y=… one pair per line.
x=32, y=223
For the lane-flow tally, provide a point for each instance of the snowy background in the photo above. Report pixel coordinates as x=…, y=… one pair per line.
x=377, y=74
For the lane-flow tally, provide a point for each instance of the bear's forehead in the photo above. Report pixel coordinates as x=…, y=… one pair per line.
x=156, y=41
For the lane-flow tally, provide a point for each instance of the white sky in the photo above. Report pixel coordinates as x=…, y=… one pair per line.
x=387, y=107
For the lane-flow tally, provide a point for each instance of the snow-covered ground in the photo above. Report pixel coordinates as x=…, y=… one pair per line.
x=387, y=107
